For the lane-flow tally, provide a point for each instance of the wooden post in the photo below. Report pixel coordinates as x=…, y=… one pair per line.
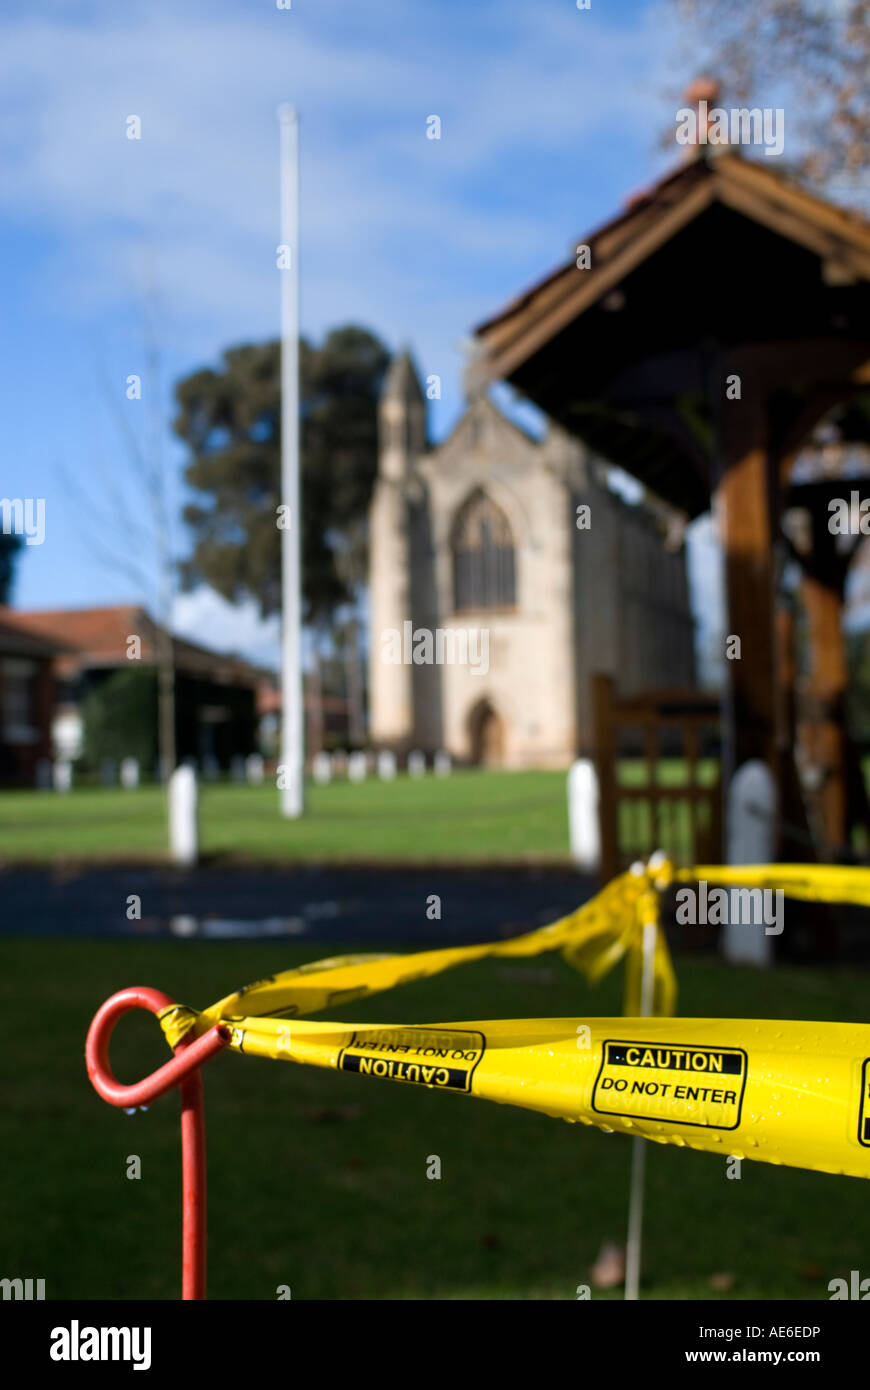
x=827, y=731
x=743, y=502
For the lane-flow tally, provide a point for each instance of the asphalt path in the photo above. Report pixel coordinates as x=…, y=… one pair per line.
x=331, y=905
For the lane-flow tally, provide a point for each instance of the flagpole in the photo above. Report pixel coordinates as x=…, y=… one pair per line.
x=292, y=715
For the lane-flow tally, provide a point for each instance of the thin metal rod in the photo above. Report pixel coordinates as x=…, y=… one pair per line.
x=182, y=1071
x=194, y=1225
x=634, y=1240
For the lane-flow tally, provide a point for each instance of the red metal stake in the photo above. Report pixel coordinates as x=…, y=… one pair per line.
x=182, y=1071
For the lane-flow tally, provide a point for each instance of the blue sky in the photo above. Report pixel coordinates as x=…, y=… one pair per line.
x=551, y=117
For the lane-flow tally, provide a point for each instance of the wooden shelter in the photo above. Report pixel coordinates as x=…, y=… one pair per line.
x=721, y=316
x=832, y=760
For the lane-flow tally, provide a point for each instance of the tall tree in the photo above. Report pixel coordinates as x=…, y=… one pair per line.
x=128, y=527
x=230, y=419
x=809, y=56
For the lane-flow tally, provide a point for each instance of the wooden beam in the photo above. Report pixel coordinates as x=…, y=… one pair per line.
x=743, y=508
x=825, y=733
x=770, y=189
x=827, y=243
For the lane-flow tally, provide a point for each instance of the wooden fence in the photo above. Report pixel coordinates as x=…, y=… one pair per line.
x=658, y=765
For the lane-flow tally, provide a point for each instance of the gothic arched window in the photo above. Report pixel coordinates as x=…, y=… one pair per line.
x=484, y=568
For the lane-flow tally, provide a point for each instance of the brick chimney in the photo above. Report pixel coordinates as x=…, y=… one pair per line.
x=703, y=94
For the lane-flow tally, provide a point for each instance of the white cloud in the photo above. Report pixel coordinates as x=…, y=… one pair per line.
x=203, y=616
x=415, y=239
x=382, y=206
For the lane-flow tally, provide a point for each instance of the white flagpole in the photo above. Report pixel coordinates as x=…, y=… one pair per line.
x=292, y=715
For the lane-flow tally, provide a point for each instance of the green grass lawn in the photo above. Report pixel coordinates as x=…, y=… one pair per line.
x=318, y=1179
x=484, y=816
x=481, y=816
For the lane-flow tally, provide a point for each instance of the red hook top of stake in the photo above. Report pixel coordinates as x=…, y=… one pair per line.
x=181, y=1071
x=189, y=1054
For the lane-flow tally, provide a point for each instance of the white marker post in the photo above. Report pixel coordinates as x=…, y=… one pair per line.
x=183, y=820
x=292, y=717
x=321, y=768
x=751, y=839
x=129, y=773
x=357, y=766
x=62, y=775
x=386, y=765
x=583, y=820
x=255, y=769
x=634, y=1240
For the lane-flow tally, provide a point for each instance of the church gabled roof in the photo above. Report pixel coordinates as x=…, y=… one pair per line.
x=483, y=407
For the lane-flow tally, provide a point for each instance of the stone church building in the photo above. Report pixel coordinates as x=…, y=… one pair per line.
x=504, y=573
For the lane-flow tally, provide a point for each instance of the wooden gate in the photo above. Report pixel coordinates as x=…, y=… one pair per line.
x=657, y=756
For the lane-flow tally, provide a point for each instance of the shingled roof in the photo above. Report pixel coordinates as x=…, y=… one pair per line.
x=17, y=641
x=88, y=638
x=721, y=251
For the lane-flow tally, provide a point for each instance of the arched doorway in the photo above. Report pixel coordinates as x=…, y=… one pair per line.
x=486, y=735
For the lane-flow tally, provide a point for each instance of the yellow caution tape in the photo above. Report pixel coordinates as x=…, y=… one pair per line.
x=829, y=883
x=777, y=1092
x=593, y=939
x=788, y=1093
